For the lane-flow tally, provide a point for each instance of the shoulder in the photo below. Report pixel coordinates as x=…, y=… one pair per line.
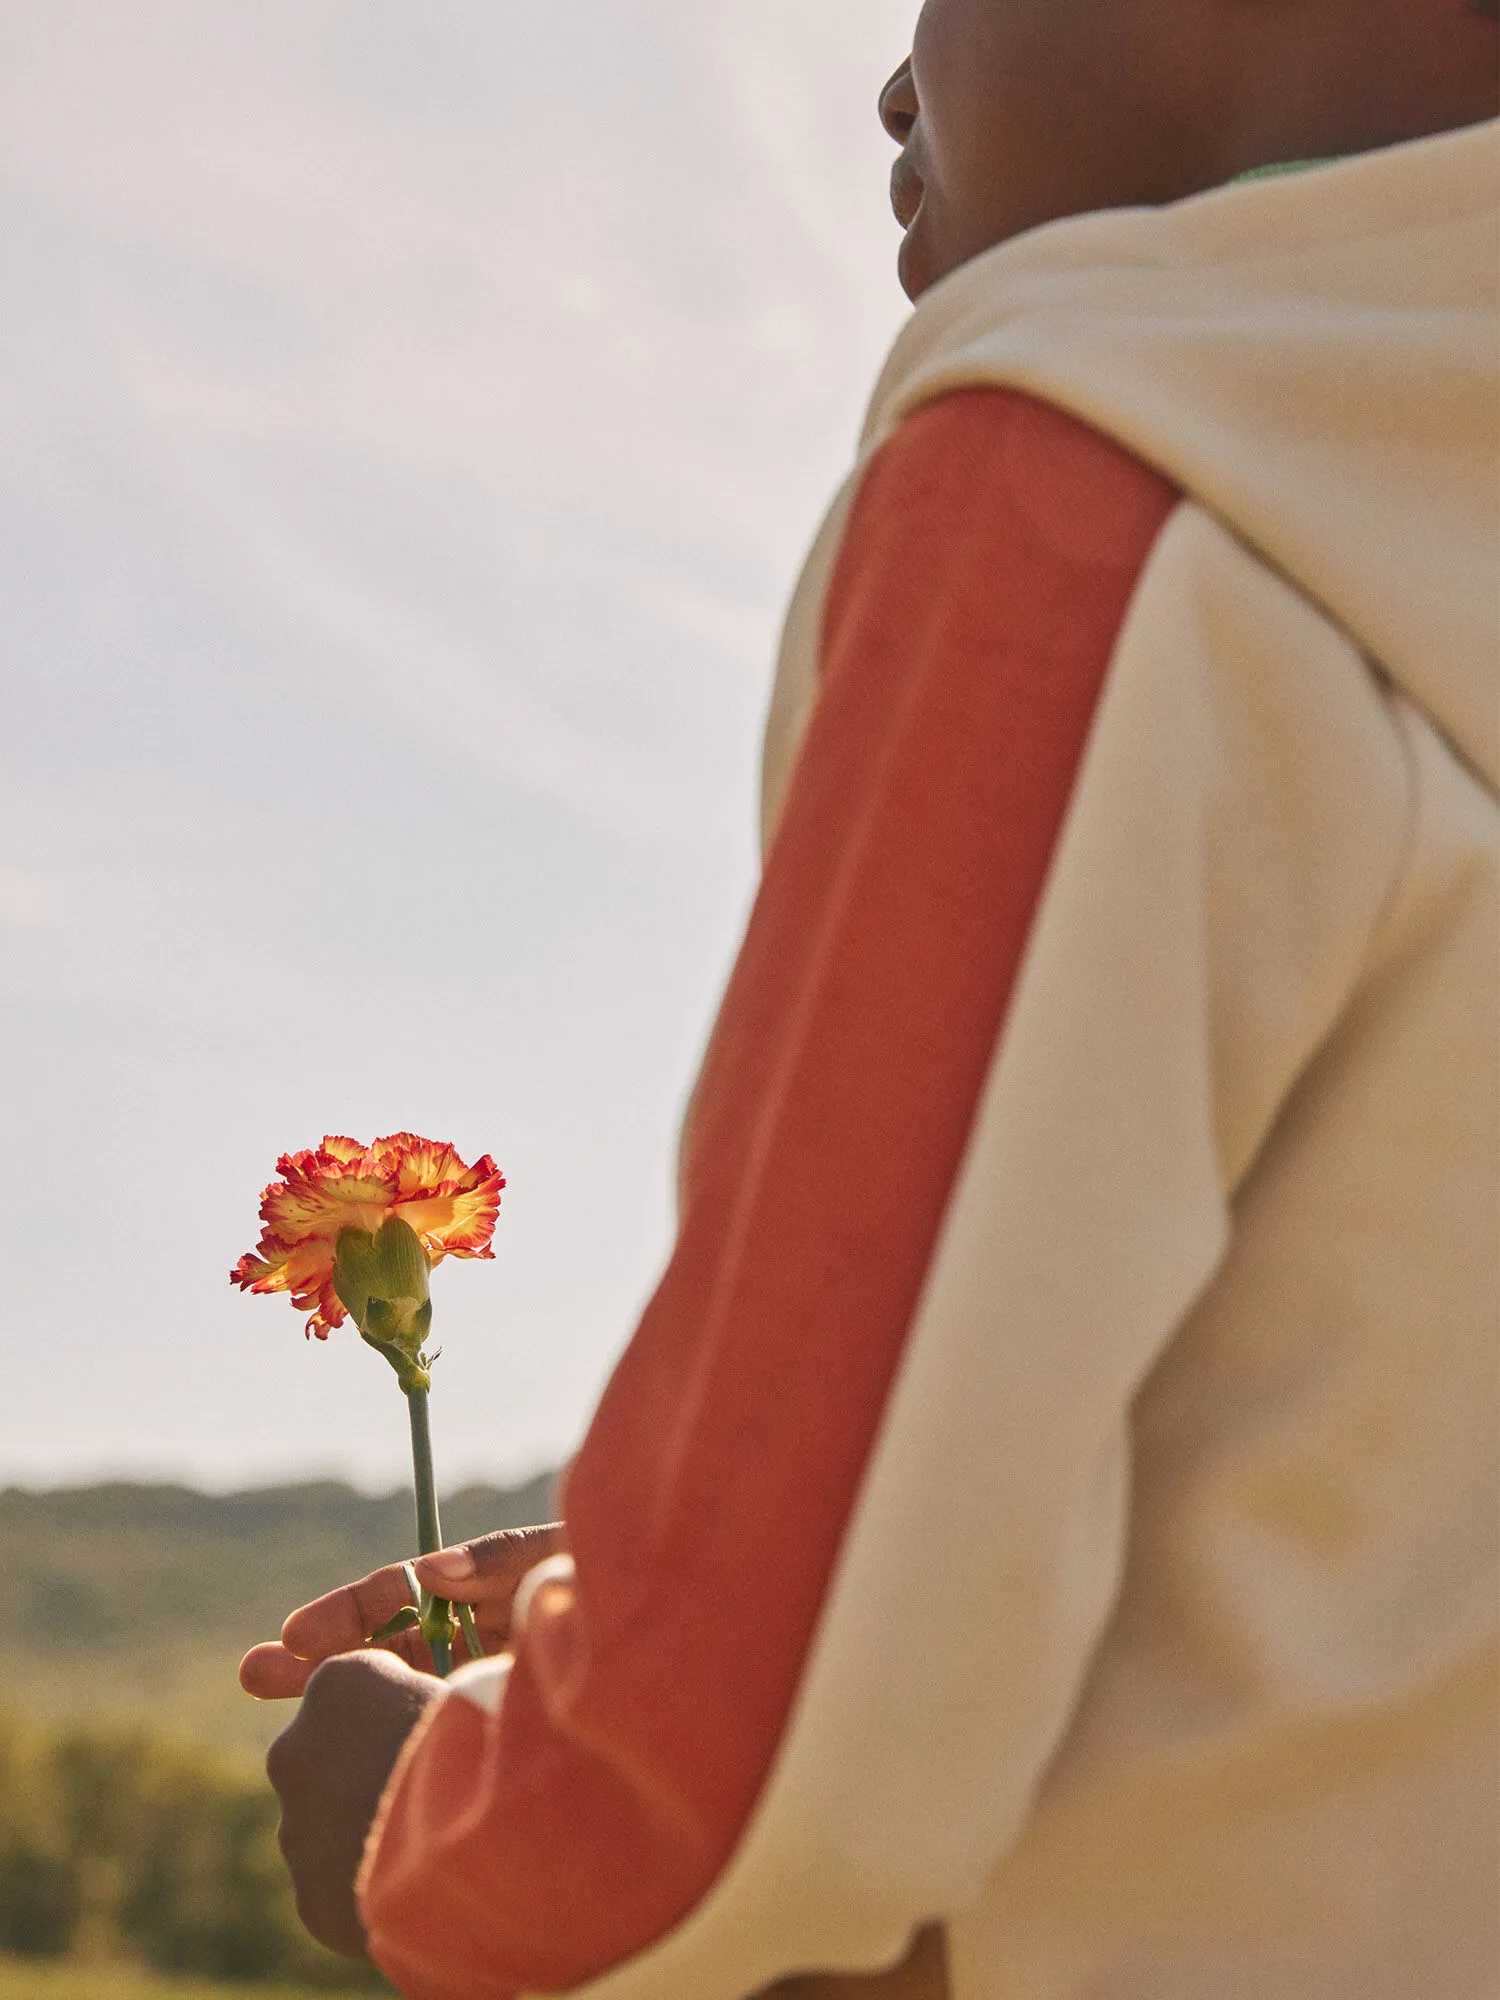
x=981, y=463
x=982, y=505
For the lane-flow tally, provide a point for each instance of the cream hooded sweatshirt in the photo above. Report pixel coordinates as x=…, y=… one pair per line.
x=1160, y=1662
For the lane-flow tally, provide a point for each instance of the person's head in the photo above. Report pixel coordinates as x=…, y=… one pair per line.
x=1012, y=113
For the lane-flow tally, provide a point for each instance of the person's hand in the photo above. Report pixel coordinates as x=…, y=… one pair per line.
x=485, y=1573
x=329, y=1768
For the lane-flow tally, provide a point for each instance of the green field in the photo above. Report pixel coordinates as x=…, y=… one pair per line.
x=44, y=1979
x=134, y=1603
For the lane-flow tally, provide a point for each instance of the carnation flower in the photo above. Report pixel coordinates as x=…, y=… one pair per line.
x=342, y=1189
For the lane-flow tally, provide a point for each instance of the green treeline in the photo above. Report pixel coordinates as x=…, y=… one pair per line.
x=116, y=1844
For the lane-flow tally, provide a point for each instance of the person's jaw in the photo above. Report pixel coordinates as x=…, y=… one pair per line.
x=908, y=198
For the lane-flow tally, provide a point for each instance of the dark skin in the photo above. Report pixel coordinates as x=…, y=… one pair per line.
x=360, y=1701
x=1009, y=114
x=1012, y=113
x=329, y=1769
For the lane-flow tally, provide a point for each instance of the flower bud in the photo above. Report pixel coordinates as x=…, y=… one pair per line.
x=382, y=1281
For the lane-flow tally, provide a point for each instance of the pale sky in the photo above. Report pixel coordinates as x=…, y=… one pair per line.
x=413, y=417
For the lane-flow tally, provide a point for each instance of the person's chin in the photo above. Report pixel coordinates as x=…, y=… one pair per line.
x=913, y=267
x=927, y=249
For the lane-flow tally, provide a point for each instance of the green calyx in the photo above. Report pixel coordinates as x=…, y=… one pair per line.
x=382, y=1281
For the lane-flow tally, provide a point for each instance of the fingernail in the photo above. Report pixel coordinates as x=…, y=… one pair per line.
x=448, y=1565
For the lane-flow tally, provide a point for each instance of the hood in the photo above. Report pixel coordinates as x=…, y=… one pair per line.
x=1313, y=357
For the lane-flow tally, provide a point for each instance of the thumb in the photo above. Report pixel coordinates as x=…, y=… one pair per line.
x=488, y=1571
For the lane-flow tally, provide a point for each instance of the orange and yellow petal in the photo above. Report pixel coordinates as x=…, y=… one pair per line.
x=459, y=1224
x=326, y=1307
x=325, y=1206
x=418, y=1167
x=257, y=1274
x=325, y=1190
x=336, y=1147
x=303, y=1269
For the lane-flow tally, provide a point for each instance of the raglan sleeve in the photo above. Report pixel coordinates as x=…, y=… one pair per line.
x=847, y=1520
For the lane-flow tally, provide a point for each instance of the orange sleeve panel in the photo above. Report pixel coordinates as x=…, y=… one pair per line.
x=989, y=557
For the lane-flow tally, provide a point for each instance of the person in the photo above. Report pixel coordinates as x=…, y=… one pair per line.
x=1047, y=1510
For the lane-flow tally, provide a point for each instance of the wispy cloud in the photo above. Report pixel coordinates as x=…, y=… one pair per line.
x=411, y=422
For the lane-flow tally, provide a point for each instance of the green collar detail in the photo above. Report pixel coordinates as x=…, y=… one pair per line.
x=1285, y=167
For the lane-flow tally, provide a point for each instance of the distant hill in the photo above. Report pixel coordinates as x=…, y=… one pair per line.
x=136, y=1602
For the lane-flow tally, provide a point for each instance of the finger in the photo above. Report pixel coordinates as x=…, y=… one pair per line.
x=342, y=1621
x=488, y=1571
x=409, y=1646
x=271, y=1673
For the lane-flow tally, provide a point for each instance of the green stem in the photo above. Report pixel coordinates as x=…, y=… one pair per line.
x=436, y=1613
x=470, y=1631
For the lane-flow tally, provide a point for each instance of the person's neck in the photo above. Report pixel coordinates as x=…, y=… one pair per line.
x=1301, y=116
